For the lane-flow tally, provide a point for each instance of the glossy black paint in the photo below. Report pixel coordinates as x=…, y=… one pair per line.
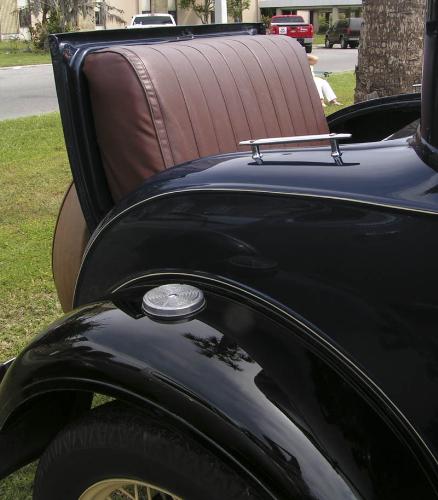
x=312, y=369
x=285, y=415
x=340, y=247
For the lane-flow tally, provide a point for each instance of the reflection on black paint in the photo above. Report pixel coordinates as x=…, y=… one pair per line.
x=220, y=349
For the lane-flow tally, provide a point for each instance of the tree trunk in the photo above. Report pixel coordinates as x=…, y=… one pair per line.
x=391, y=48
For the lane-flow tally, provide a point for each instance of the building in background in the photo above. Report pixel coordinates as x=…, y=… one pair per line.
x=15, y=19
x=8, y=21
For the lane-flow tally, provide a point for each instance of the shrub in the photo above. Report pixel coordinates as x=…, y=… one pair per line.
x=38, y=35
x=40, y=32
x=323, y=27
x=266, y=20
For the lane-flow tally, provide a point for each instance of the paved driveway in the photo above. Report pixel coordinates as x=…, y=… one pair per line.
x=335, y=59
x=30, y=90
x=27, y=90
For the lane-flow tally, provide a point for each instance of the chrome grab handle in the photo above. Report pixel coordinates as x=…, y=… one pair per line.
x=333, y=138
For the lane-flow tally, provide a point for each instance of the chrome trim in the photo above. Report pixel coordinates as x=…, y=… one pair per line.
x=353, y=366
x=173, y=301
x=333, y=138
x=101, y=229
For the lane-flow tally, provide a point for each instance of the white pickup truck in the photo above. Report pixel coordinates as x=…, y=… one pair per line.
x=151, y=20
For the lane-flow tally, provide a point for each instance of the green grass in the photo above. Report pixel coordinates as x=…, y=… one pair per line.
x=318, y=40
x=18, y=486
x=19, y=53
x=34, y=174
x=343, y=84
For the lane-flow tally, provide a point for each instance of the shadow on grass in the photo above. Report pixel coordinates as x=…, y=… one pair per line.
x=19, y=486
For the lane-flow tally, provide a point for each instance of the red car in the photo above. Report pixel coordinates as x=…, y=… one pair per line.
x=295, y=27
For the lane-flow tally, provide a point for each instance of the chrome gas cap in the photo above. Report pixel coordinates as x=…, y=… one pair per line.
x=173, y=301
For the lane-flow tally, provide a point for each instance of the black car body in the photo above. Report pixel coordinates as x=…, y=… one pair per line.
x=346, y=32
x=309, y=368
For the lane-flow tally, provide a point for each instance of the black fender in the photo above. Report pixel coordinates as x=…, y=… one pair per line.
x=254, y=386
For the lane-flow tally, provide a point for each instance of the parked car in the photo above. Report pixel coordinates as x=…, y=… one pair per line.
x=346, y=32
x=294, y=27
x=151, y=20
x=261, y=322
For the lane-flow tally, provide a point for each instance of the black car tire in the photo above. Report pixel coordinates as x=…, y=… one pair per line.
x=308, y=48
x=327, y=43
x=344, y=43
x=113, y=442
x=354, y=45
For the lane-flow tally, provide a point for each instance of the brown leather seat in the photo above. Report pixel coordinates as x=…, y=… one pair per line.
x=159, y=105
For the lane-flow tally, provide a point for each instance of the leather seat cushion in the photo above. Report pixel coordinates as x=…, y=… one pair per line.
x=160, y=105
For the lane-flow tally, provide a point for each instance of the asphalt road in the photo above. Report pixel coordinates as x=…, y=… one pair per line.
x=335, y=59
x=27, y=90
x=30, y=90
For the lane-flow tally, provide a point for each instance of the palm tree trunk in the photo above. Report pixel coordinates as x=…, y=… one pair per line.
x=391, y=48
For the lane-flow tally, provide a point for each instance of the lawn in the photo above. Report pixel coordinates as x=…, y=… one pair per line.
x=34, y=174
x=343, y=84
x=318, y=39
x=19, y=53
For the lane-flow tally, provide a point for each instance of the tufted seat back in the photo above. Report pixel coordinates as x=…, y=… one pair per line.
x=159, y=105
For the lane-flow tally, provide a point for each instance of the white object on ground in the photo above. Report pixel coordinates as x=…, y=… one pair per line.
x=324, y=89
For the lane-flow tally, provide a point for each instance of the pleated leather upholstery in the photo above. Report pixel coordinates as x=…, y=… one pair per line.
x=159, y=105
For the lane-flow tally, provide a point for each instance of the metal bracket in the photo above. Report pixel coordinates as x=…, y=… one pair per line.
x=333, y=138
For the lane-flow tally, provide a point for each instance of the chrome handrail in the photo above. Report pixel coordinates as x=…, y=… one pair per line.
x=333, y=138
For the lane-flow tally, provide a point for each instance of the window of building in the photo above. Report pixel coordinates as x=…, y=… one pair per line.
x=268, y=11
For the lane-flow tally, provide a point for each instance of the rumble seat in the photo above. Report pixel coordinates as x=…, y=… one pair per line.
x=159, y=105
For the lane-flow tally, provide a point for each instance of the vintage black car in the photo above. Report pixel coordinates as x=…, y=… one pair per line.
x=262, y=322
